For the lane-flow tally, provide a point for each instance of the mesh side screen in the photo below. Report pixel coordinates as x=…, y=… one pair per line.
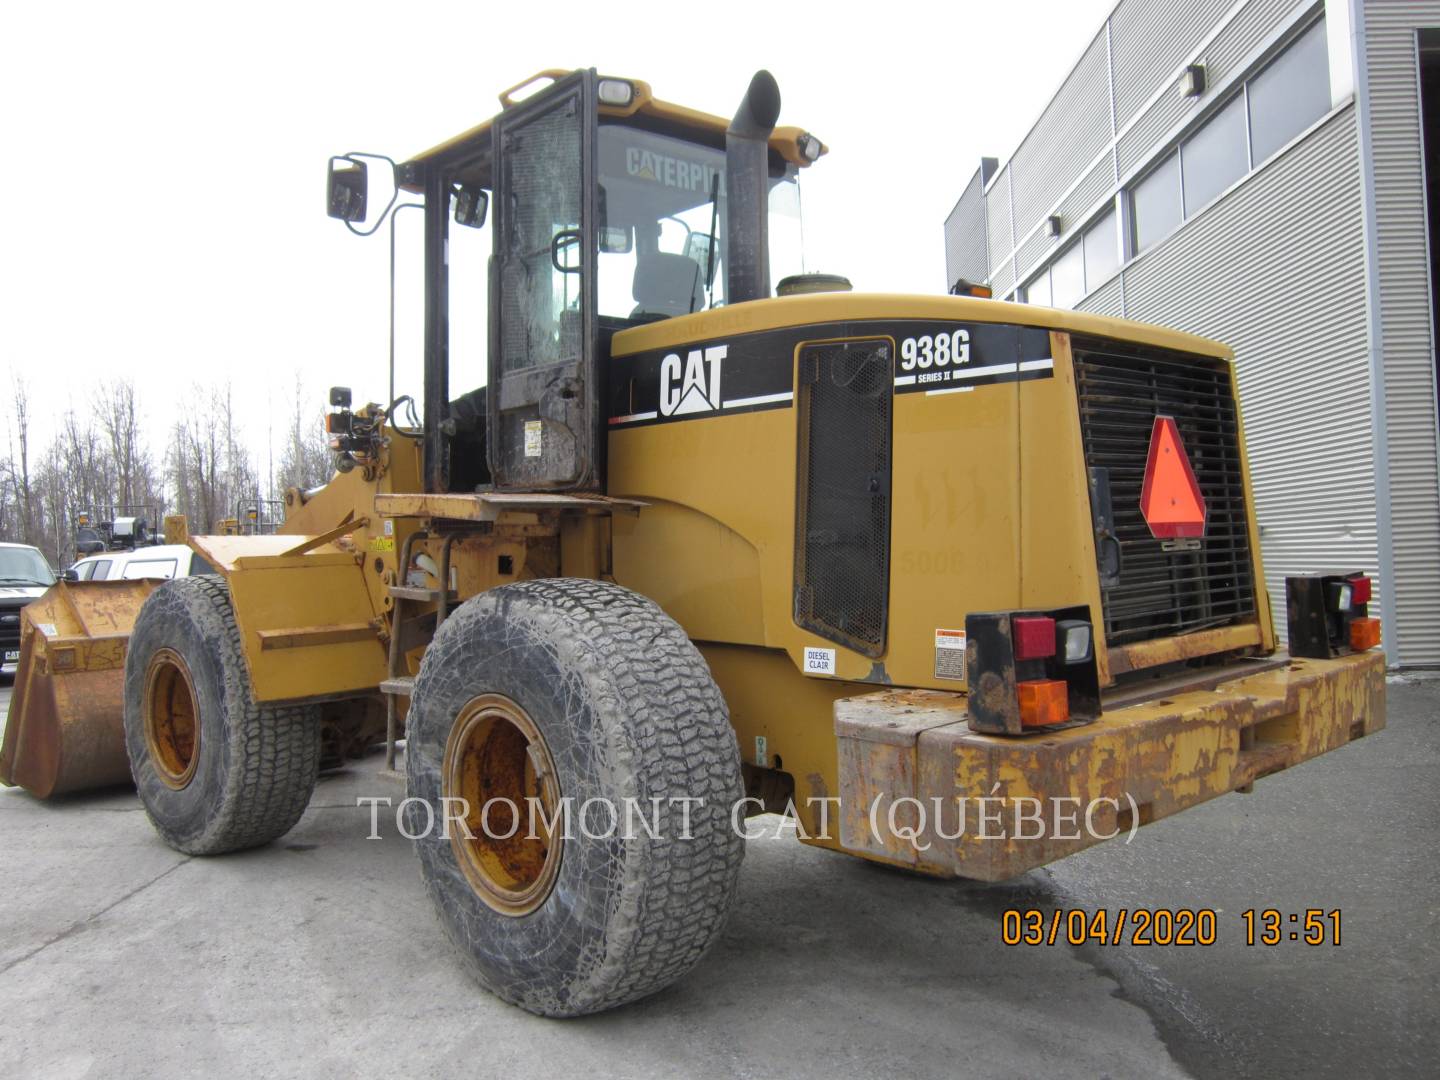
x=540, y=317
x=842, y=542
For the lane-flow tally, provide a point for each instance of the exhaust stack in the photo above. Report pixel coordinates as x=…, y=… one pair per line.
x=747, y=183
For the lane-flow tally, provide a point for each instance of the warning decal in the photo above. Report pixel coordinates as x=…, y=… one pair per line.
x=950, y=654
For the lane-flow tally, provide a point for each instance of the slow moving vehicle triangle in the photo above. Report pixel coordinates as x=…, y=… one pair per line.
x=1170, y=499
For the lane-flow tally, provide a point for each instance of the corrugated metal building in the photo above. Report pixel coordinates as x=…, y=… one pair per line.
x=1255, y=171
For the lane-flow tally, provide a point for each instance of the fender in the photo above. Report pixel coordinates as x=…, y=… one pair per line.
x=306, y=614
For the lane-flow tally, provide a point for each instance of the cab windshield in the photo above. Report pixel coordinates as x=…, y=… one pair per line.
x=662, y=223
x=24, y=566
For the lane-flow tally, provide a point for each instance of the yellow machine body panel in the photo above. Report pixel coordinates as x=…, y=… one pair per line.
x=306, y=620
x=989, y=503
x=311, y=600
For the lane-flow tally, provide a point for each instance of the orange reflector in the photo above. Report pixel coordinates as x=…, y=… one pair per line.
x=1364, y=634
x=1043, y=701
x=1170, y=498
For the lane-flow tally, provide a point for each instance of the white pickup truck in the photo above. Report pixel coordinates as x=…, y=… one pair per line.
x=24, y=575
x=158, y=561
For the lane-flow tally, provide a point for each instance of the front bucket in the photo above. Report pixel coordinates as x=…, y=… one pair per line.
x=66, y=726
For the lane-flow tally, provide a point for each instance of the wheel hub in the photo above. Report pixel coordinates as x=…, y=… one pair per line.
x=496, y=760
x=172, y=725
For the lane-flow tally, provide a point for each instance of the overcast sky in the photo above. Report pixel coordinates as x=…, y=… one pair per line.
x=163, y=172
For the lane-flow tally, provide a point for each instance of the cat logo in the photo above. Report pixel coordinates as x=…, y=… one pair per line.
x=694, y=386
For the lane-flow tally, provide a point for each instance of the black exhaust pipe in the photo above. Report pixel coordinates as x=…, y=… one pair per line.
x=747, y=184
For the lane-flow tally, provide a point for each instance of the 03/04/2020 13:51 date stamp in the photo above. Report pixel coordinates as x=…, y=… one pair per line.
x=1165, y=926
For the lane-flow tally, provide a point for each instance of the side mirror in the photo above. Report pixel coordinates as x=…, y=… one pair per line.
x=69, y=575
x=346, y=190
x=340, y=397
x=616, y=239
x=470, y=206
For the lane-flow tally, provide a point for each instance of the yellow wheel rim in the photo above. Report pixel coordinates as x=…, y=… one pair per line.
x=502, y=833
x=172, y=724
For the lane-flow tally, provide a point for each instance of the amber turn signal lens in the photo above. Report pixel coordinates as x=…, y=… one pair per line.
x=1364, y=634
x=1043, y=701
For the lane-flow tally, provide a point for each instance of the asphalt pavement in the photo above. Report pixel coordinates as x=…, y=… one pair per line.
x=319, y=955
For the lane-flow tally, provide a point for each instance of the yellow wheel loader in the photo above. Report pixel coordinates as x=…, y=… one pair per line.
x=961, y=586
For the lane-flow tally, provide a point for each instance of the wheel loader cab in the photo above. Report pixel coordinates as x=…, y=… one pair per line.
x=611, y=210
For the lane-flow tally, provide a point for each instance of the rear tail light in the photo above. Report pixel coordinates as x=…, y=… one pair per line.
x=1043, y=702
x=1030, y=670
x=1364, y=634
x=1360, y=590
x=1034, y=637
x=1327, y=615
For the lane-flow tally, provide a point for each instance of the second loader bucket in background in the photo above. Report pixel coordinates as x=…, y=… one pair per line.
x=66, y=727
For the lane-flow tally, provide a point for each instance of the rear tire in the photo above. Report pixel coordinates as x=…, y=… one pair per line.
x=609, y=693
x=215, y=770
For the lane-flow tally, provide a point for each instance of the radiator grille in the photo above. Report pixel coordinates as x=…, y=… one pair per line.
x=842, y=541
x=1160, y=593
x=10, y=627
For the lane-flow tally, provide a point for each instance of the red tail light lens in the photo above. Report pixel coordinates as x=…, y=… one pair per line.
x=1360, y=590
x=1034, y=637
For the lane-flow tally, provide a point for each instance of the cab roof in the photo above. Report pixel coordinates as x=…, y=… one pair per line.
x=468, y=154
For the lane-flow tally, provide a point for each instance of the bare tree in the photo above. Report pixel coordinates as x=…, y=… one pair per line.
x=305, y=460
x=119, y=420
x=208, y=463
x=17, y=494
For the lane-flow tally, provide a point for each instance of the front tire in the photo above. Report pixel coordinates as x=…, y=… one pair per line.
x=215, y=770
x=573, y=691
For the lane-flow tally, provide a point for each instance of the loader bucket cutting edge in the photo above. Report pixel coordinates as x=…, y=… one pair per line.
x=66, y=727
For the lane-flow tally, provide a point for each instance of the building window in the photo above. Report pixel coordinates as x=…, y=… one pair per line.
x=1081, y=268
x=1037, y=289
x=1291, y=94
x=1276, y=105
x=1156, y=202
x=1215, y=156
x=1102, y=252
x=1067, y=277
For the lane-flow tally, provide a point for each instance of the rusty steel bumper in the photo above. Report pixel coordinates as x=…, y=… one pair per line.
x=918, y=787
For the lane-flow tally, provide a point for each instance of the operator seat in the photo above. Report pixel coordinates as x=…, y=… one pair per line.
x=667, y=285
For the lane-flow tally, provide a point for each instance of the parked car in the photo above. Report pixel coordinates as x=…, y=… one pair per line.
x=24, y=575
x=158, y=561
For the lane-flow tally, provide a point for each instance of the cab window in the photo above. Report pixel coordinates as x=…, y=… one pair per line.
x=662, y=213
x=201, y=565
x=661, y=230
x=149, y=568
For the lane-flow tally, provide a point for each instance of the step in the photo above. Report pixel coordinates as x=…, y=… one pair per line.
x=403, y=685
x=406, y=592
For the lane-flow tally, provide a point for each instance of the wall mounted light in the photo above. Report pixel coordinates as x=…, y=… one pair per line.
x=1053, y=225
x=1192, y=82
